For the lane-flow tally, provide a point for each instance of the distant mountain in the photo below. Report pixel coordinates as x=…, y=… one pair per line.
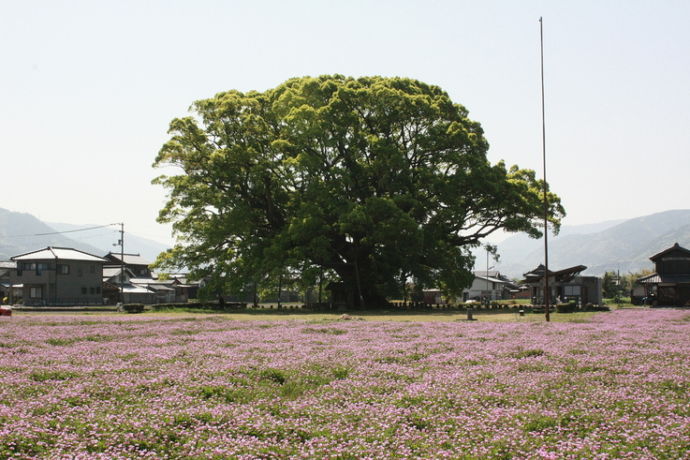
x=21, y=233
x=615, y=245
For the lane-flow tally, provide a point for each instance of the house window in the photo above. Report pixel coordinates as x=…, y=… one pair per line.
x=571, y=290
x=36, y=292
x=83, y=290
x=63, y=269
x=40, y=268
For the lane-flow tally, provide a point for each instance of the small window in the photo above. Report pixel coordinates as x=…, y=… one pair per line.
x=571, y=290
x=83, y=290
x=36, y=292
x=64, y=269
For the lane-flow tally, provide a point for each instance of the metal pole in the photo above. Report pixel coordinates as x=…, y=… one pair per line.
x=546, y=203
x=122, y=262
x=488, y=291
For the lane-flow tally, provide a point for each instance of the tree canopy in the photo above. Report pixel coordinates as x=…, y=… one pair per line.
x=375, y=180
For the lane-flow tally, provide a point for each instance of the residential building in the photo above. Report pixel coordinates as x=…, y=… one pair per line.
x=163, y=290
x=670, y=284
x=60, y=276
x=8, y=292
x=134, y=262
x=486, y=286
x=565, y=285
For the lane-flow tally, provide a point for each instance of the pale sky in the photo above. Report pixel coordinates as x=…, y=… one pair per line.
x=87, y=89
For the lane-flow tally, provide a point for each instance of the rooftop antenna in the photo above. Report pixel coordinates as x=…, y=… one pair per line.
x=547, y=299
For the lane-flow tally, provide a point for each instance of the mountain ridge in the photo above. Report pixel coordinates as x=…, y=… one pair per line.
x=626, y=245
x=21, y=233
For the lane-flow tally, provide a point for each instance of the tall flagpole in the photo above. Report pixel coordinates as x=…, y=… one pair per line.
x=547, y=300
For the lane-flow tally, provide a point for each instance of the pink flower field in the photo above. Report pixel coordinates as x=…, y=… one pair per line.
x=77, y=387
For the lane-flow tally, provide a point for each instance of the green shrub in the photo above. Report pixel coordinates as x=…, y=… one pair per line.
x=133, y=307
x=566, y=307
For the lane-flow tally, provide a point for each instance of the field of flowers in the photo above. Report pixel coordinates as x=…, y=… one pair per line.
x=127, y=386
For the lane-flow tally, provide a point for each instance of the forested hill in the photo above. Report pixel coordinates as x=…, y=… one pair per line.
x=21, y=233
x=616, y=245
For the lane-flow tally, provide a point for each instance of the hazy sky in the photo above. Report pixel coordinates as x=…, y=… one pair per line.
x=87, y=89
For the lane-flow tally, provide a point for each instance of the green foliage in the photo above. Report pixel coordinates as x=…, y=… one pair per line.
x=540, y=423
x=133, y=307
x=530, y=353
x=324, y=330
x=566, y=307
x=43, y=375
x=371, y=181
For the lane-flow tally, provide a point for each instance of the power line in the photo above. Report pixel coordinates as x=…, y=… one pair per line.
x=58, y=233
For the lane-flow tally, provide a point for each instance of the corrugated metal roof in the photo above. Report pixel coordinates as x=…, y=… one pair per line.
x=53, y=253
x=653, y=278
x=131, y=289
x=151, y=281
x=492, y=279
x=158, y=287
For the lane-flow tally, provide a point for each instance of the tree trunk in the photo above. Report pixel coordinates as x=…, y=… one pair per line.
x=362, y=289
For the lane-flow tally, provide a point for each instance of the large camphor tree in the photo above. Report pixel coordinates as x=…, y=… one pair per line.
x=376, y=181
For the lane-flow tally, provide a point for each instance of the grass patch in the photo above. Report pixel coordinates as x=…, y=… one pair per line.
x=540, y=423
x=324, y=330
x=530, y=353
x=45, y=375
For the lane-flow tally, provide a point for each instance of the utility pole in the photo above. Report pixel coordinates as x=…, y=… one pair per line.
x=488, y=291
x=546, y=202
x=122, y=262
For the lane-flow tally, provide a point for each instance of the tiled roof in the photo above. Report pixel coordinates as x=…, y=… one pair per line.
x=130, y=259
x=53, y=253
x=675, y=248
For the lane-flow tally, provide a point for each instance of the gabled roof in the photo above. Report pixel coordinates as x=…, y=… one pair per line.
x=55, y=253
x=129, y=259
x=491, y=279
x=490, y=273
x=655, y=278
x=648, y=279
x=675, y=248
x=110, y=271
x=561, y=275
